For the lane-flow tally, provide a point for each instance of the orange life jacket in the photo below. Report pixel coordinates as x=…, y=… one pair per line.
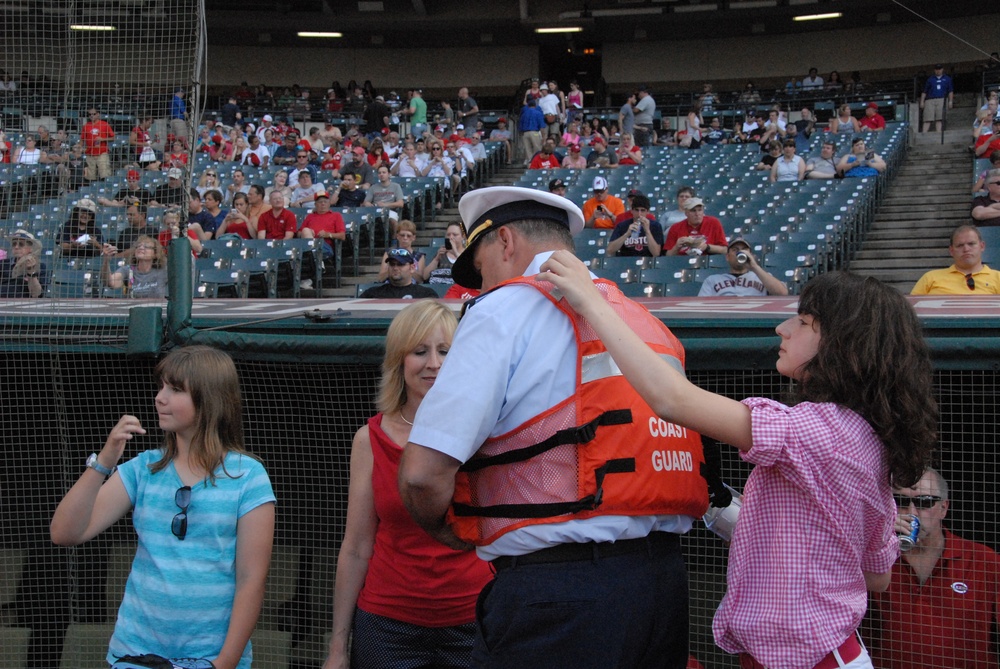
x=602, y=451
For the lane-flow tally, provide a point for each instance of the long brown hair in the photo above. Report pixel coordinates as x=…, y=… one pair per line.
x=210, y=376
x=872, y=359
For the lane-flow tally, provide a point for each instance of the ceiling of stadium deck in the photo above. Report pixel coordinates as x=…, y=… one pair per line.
x=414, y=23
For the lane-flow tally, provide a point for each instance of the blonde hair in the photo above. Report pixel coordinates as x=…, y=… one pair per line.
x=209, y=375
x=407, y=225
x=159, y=254
x=410, y=327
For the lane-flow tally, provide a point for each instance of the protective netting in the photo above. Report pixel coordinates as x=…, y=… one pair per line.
x=93, y=93
x=57, y=605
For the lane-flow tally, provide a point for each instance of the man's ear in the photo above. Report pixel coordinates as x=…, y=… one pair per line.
x=508, y=239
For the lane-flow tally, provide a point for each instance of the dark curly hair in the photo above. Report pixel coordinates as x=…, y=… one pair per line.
x=872, y=359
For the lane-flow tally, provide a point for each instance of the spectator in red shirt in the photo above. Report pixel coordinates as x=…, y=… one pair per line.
x=697, y=234
x=872, y=119
x=178, y=156
x=96, y=135
x=546, y=159
x=321, y=223
x=277, y=222
x=987, y=144
x=942, y=604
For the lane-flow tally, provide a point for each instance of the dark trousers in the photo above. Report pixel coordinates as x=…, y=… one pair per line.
x=625, y=611
x=643, y=136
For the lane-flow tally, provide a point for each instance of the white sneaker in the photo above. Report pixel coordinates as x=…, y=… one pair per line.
x=306, y=284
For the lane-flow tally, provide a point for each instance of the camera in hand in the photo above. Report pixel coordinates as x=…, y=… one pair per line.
x=447, y=244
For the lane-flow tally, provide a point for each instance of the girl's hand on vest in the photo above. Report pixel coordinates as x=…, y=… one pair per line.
x=572, y=278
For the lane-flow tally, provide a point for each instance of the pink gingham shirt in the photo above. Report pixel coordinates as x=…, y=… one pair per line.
x=817, y=512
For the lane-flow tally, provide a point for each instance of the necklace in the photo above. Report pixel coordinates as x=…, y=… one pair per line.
x=404, y=417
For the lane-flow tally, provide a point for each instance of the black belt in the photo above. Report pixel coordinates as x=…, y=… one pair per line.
x=589, y=551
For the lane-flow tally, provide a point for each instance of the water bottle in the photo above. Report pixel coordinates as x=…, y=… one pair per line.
x=634, y=234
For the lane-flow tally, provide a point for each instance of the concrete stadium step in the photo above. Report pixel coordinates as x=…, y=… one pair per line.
x=937, y=177
x=894, y=219
x=928, y=198
x=906, y=232
x=921, y=264
x=929, y=252
x=935, y=239
x=919, y=195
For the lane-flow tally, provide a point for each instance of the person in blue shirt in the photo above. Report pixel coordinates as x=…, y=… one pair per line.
x=178, y=117
x=530, y=125
x=936, y=90
x=202, y=508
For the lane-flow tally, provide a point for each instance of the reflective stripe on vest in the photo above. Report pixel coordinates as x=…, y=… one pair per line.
x=602, y=365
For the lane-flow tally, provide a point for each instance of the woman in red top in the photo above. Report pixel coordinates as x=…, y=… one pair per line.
x=178, y=156
x=409, y=600
x=236, y=221
x=170, y=229
x=628, y=152
x=377, y=155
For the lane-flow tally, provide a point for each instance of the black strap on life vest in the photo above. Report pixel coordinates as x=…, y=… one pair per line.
x=588, y=503
x=581, y=434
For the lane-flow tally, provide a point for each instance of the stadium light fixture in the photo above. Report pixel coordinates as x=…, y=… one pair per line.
x=818, y=17
x=553, y=31
x=93, y=28
x=319, y=34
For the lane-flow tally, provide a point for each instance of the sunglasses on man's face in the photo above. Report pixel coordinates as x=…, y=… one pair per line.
x=919, y=501
x=20, y=242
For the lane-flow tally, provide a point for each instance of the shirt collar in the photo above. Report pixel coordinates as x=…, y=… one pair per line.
x=535, y=266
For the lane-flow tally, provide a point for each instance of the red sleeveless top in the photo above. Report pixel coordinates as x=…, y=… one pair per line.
x=412, y=577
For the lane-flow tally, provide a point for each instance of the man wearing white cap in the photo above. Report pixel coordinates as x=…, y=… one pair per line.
x=170, y=193
x=697, y=234
x=601, y=210
x=549, y=468
x=23, y=274
x=266, y=124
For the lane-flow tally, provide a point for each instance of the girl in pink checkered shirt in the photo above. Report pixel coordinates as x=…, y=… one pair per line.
x=816, y=525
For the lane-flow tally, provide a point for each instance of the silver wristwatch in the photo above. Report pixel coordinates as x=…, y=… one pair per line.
x=93, y=463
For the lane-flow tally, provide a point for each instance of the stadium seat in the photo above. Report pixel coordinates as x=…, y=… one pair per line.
x=262, y=276
x=311, y=258
x=687, y=289
x=665, y=275
x=69, y=283
x=642, y=289
x=211, y=279
x=288, y=268
x=625, y=263
x=14, y=642
x=362, y=287
x=86, y=646
x=681, y=262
